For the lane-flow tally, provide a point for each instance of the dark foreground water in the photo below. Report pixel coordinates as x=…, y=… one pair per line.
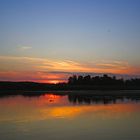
x=69, y=117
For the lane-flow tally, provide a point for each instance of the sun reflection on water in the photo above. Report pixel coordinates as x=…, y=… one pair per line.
x=50, y=106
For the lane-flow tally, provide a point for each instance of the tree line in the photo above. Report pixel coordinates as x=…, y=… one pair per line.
x=101, y=80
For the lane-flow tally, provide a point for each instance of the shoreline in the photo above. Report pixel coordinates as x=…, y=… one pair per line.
x=72, y=92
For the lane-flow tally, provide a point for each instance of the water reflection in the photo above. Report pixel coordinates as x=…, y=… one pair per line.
x=89, y=99
x=68, y=115
x=67, y=105
x=79, y=98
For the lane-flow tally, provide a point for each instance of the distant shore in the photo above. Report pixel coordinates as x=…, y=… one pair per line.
x=104, y=82
x=100, y=86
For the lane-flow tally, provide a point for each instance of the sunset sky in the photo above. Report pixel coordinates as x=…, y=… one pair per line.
x=49, y=40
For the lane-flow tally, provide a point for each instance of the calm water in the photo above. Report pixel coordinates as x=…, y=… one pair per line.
x=57, y=117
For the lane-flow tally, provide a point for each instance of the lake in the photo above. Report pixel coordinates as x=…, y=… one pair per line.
x=67, y=116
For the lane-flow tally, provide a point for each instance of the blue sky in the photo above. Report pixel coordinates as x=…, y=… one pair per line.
x=82, y=31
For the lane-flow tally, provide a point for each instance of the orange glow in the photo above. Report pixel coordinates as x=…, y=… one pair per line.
x=51, y=81
x=55, y=71
x=51, y=97
x=54, y=106
x=48, y=99
x=65, y=112
x=53, y=77
x=54, y=81
x=112, y=110
x=34, y=76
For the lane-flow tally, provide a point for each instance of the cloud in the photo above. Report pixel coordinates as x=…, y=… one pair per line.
x=43, y=64
x=43, y=70
x=30, y=63
x=112, y=64
x=35, y=76
x=23, y=48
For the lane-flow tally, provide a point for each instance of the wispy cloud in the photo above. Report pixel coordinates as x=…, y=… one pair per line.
x=23, y=48
x=42, y=69
x=37, y=76
x=113, y=64
x=43, y=64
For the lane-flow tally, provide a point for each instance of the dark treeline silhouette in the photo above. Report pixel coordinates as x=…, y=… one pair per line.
x=102, y=80
x=28, y=86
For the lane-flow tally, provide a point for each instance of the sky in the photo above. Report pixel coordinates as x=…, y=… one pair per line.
x=49, y=40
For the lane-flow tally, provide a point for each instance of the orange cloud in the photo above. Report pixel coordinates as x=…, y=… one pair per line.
x=45, y=77
x=40, y=69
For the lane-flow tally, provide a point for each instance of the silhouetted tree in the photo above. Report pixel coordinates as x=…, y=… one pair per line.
x=102, y=80
x=80, y=80
x=72, y=80
x=87, y=80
